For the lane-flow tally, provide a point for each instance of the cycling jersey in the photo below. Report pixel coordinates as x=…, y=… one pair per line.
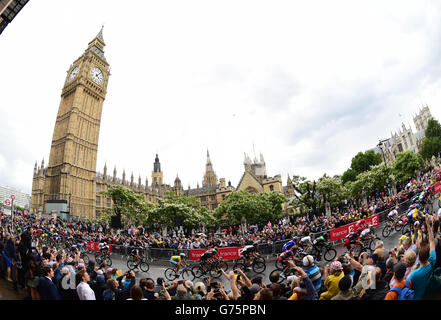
x=392, y=214
x=305, y=239
x=175, y=259
x=365, y=232
x=319, y=240
x=285, y=256
x=287, y=246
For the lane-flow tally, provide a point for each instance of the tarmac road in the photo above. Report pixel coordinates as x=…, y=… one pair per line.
x=157, y=269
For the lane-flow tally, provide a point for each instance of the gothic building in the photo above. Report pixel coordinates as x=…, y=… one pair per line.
x=71, y=185
x=404, y=139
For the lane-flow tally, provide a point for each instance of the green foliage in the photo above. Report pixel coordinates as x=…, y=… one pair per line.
x=348, y=175
x=129, y=206
x=433, y=129
x=254, y=207
x=431, y=147
x=406, y=165
x=369, y=181
x=305, y=194
x=363, y=161
x=331, y=190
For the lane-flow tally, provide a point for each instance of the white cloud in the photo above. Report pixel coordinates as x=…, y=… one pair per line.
x=308, y=83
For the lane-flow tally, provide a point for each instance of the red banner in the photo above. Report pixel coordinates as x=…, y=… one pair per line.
x=225, y=253
x=341, y=232
x=93, y=246
x=437, y=187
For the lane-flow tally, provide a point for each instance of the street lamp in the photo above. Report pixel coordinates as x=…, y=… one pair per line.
x=380, y=144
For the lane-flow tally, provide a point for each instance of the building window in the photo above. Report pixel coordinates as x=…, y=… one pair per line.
x=203, y=199
x=98, y=188
x=271, y=188
x=98, y=201
x=213, y=198
x=223, y=197
x=108, y=203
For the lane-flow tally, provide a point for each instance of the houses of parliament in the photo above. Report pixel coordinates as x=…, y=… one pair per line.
x=70, y=184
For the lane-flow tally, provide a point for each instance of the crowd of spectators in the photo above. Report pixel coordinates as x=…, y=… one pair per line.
x=50, y=273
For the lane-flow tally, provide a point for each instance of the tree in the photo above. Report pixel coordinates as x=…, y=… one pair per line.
x=363, y=161
x=254, y=207
x=431, y=147
x=433, y=129
x=432, y=142
x=406, y=165
x=127, y=205
x=306, y=195
x=331, y=190
x=348, y=175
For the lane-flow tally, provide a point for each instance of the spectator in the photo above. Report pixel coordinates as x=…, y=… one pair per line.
x=381, y=288
x=313, y=273
x=84, y=291
x=99, y=285
x=333, y=275
x=46, y=288
x=399, y=272
x=136, y=293
x=419, y=279
x=389, y=270
x=347, y=292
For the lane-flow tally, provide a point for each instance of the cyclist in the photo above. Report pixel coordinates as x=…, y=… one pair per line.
x=393, y=215
x=287, y=246
x=103, y=247
x=178, y=261
x=249, y=252
x=207, y=257
x=353, y=239
x=305, y=243
x=286, y=256
x=413, y=214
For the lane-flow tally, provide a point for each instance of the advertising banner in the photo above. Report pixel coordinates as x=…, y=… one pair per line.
x=93, y=246
x=341, y=232
x=226, y=253
x=437, y=187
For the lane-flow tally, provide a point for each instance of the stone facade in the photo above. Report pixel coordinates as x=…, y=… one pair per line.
x=71, y=172
x=71, y=179
x=405, y=139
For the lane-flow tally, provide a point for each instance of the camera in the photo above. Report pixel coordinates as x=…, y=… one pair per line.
x=180, y=281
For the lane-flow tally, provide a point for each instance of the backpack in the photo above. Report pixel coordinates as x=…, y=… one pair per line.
x=404, y=294
x=108, y=295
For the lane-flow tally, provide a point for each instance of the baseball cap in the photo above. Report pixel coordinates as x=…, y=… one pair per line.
x=400, y=270
x=308, y=261
x=99, y=272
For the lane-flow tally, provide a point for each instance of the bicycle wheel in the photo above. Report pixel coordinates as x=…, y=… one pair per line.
x=386, y=231
x=259, y=267
x=278, y=265
x=372, y=243
x=398, y=227
x=187, y=274
x=98, y=259
x=85, y=257
x=170, y=274
x=239, y=265
x=197, y=271
x=131, y=264
x=215, y=271
x=330, y=254
x=144, y=266
x=108, y=261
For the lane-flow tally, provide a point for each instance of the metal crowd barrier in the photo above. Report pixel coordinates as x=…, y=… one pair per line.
x=267, y=249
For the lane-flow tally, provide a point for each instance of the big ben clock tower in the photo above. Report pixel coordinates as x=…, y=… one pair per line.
x=70, y=176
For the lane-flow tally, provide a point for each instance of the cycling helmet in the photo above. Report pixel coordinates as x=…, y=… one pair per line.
x=417, y=223
x=182, y=254
x=216, y=248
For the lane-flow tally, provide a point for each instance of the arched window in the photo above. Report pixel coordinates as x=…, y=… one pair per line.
x=271, y=187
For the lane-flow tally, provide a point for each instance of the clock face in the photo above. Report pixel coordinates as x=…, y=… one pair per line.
x=97, y=75
x=74, y=73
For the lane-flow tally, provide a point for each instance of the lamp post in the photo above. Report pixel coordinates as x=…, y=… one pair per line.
x=380, y=144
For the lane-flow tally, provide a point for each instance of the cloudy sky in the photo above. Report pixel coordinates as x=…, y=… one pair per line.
x=306, y=83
